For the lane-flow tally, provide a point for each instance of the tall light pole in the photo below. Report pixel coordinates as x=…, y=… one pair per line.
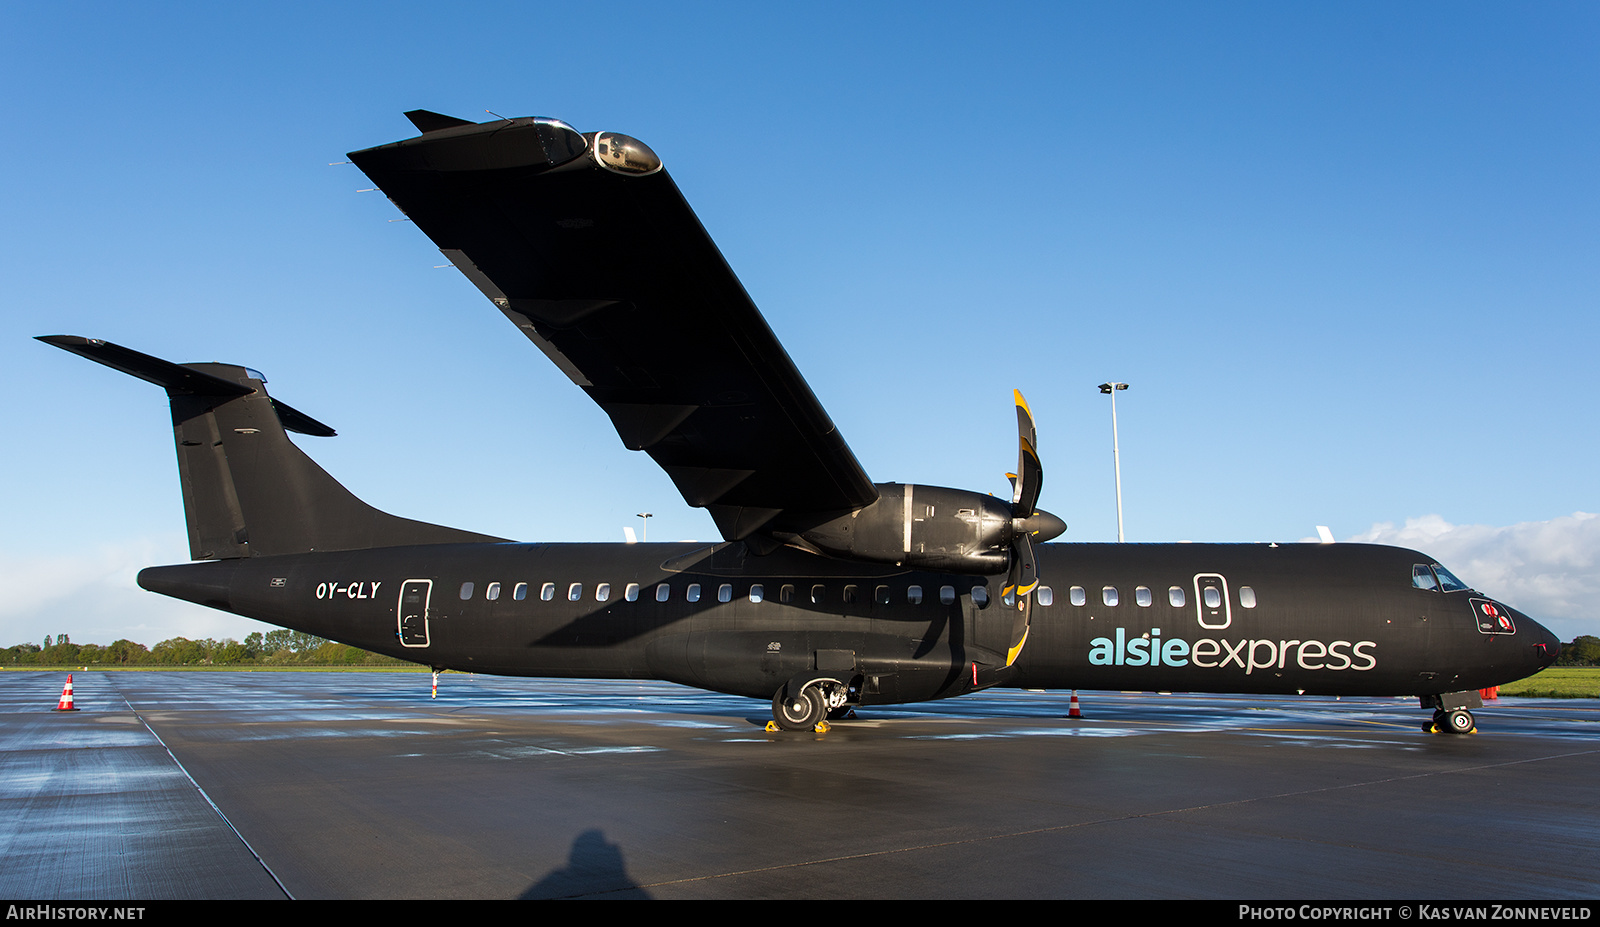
x=1110, y=389
x=646, y=517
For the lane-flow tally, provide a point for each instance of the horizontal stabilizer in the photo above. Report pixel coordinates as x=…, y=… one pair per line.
x=179, y=380
x=295, y=420
x=176, y=379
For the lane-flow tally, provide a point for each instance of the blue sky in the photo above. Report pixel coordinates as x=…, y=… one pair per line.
x=1345, y=254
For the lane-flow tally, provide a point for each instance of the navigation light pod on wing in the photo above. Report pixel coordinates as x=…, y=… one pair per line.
x=624, y=154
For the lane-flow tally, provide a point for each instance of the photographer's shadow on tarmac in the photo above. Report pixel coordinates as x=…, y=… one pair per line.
x=594, y=869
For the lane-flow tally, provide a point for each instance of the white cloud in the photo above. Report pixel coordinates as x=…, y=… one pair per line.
x=94, y=597
x=1548, y=569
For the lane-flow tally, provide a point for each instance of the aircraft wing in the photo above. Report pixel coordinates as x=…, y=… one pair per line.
x=585, y=243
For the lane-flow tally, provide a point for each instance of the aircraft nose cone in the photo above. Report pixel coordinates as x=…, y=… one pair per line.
x=1044, y=526
x=1546, y=646
x=1551, y=646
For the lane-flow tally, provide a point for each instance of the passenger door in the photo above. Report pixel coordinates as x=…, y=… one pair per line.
x=413, y=612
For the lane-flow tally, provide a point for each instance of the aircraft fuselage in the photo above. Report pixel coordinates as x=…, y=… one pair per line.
x=1255, y=618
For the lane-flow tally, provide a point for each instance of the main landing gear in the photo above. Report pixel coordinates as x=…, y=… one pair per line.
x=806, y=705
x=1451, y=714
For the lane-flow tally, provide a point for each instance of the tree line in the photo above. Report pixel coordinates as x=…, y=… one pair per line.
x=278, y=647
x=1583, y=650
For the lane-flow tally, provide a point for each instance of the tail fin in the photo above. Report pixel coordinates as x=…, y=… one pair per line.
x=247, y=490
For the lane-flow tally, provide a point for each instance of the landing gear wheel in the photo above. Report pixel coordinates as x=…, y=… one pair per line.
x=1459, y=721
x=798, y=712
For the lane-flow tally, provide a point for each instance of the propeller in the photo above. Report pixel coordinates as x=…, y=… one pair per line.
x=1027, y=521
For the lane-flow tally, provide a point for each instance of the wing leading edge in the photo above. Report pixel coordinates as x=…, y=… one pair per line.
x=586, y=244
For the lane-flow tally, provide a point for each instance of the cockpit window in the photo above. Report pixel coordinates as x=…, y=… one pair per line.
x=1435, y=578
x=1447, y=580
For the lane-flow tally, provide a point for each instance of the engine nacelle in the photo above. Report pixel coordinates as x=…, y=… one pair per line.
x=924, y=526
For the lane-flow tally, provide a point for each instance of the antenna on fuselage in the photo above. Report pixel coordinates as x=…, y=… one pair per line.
x=1325, y=534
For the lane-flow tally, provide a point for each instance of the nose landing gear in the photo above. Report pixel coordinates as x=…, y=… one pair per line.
x=1451, y=714
x=1458, y=721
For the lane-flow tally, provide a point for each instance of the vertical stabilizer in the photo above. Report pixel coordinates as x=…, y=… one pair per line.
x=247, y=489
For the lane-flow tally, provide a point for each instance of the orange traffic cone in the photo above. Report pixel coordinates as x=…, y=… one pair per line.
x=1073, y=712
x=66, y=696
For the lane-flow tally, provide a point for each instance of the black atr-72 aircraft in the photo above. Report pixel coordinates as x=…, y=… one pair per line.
x=829, y=591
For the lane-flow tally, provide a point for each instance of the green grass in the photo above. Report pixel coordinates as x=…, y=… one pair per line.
x=1558, y=682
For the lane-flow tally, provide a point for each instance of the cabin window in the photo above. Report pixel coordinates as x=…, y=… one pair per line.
x=786, y=594
x=1142, y=597
x=694, y=592
x=1212, y=597
x=663, y=592
x=880, y=595
x=757, y=593
x=724, y=593
x=818, y=594
x=1045, y=596
x=521, y=592
x=631, y=593
x=1175, y=596
x=1078, y=595
x=851, y=596
x=602, y=592
x=1108, y=595
x=1247, y=597
x=547, y=591
x=947, y=595
x=914, y=595
x=466, y=591
x=1009, y=600
x=574, y=592
x=980, y=596
x=492, y=592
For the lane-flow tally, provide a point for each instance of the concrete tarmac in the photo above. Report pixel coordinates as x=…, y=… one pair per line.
x=173, y=785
